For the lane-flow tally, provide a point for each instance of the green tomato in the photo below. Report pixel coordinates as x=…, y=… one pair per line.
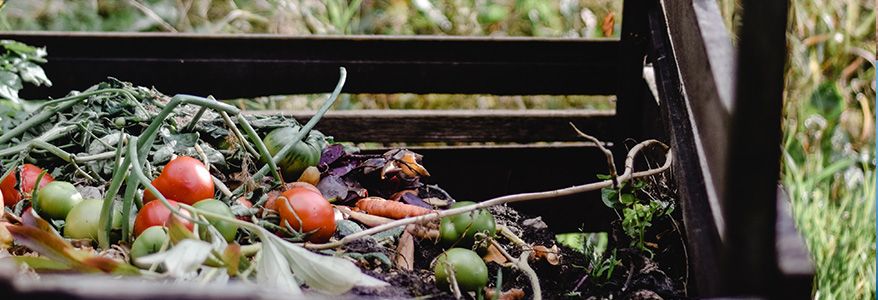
x=82, y=221
x=148, y=242
x=469, y=269
x=303, y=155
x=226, y=229
x=461, y=229
x=56, y=199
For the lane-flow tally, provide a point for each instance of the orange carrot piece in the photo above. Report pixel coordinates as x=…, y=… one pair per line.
x=390, y=209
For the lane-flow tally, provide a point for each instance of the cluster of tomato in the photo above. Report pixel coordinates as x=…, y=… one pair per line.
x=187, y=180
x=182, y=180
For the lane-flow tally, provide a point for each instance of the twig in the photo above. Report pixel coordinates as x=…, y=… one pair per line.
x=629, y=174
x=610, y=163
x=505, y=232
x=521, y=264
x=239, y=136
x=221, y=186
x=455, y=288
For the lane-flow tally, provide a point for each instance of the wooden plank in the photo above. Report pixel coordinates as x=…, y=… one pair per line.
x=703, y=240
x=793, y=260
x=753, y=153
x=702, y=51
x=517, y=126
x=233, y=66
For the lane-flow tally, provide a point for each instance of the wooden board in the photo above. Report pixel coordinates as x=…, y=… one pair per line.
x=454, y=126
x=235, y=66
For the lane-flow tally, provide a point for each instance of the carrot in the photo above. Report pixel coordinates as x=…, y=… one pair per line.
x=390, y=209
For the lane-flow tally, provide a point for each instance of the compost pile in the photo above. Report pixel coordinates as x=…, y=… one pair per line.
x=124, y=180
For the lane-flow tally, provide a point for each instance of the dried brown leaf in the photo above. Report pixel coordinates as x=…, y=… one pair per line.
x=405, y=252
x=550, y=255
x=494, y=255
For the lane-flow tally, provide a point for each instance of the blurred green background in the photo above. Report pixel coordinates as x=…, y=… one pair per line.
x=829, y=127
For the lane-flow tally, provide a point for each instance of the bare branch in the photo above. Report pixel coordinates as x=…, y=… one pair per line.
x=610, y=163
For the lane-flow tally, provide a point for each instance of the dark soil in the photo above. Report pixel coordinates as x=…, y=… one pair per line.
x=637, y=277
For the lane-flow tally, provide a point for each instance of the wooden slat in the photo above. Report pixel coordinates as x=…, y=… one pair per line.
x=702, y=50
x=703, y=240
x=754, y=151
x=793, y=260
x=519, y=126
x=236, y=66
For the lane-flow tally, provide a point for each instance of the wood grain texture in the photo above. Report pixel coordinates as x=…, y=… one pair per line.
x=517, y=126
x=699, y=49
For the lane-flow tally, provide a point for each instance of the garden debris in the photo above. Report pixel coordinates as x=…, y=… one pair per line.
x=511, y=294
x=550, y=255
x=494, y=255
x=405, y=252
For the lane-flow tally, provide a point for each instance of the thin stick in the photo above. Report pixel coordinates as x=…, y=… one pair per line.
x=521, y=264
x=628, y=175
x=610, y=163
x=455, y=288
x=241, y=139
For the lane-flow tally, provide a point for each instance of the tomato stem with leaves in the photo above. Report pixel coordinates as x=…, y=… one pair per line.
x=105, y=223
x=305, y=129
x=149, y=134
x=238, y=135
x=50, y=135
x=263, y=150
x=49, y=109
x=131, y=185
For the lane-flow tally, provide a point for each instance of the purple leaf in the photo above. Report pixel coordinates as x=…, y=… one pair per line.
x=331, y=154
x=409, y=198
x=338, y=189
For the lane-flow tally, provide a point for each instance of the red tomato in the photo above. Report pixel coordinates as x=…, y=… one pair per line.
x=271, y=203
x=315, y=212
x=155, y=213
x=28, y=175
x=185, y=179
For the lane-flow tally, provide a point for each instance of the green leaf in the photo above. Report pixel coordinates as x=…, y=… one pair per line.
x=31, y=72
x=628, y=199
x=10, y=84
x=609, y=195
x=22, y=49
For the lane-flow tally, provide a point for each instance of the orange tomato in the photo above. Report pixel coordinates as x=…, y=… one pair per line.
x=315, y=213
